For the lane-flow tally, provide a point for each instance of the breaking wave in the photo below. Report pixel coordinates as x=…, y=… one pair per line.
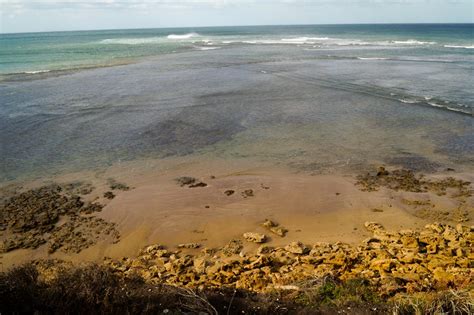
x=182, y=36
x=458, y=46
x=412, y=42
x=132, y=41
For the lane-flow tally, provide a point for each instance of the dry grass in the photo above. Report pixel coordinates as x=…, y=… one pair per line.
x=446, y=302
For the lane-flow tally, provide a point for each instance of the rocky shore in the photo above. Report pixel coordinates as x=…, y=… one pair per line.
x=438, y=257
x=404, y=272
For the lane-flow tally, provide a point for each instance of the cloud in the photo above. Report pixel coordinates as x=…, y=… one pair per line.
x=20, y=5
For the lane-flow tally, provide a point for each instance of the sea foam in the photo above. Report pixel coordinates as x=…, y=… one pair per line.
x=458, y=46
x=36, y=71
x=303, y=39
x=371, y=58
x=131, y=41
x=182, y=36
x=208, y=48
x=412, y=42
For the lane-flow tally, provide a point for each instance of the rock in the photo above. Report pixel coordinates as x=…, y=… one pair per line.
x=264, y=249
x=30, y=219
x=185, y=180
x=278, y=230
x=436, y=227
x=254, y=237
x=200, y=264
x=109, y=195
x=274, y=228
x=229, y=192
x=114, y=185
x=189, y=245
x=382, y=171
x=191, y=182
x=409, y=241
x=269, y=224
x=232, y=248
x=373, y=226
x=198, y=184
x=247, y=193
x=296, y=248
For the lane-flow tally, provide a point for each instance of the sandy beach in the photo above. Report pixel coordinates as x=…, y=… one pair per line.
x=237, y=198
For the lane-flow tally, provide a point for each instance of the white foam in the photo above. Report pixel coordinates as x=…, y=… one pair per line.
x=303, y=39
x=426, y=60
x=412, y=42
x=457, y=110
x=132, y=41
x=407, y=101
x=354, y=42
x=182, y=36
x=457, y=46
x=37, y=71
x=208, y=48
x=436, y=105
x=371, y=58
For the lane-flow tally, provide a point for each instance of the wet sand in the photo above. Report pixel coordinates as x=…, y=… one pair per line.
x=314, y=208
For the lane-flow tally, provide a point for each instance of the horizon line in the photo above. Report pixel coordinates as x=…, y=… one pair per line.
x=245, y=25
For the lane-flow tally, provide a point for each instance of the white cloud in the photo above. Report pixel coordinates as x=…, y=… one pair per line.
x=17, y=5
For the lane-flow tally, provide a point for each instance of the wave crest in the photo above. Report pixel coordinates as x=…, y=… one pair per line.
x=182, y=36
x=458, y=46
x=412, y=42
x=131, y=41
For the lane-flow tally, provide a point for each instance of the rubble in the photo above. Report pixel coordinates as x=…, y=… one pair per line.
x=439, y=256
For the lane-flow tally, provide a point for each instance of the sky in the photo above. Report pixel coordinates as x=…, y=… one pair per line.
x=62, y=15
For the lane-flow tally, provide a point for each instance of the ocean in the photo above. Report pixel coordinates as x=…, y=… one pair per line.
x=315, y=97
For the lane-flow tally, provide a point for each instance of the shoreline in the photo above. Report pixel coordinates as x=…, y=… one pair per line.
x=155, y=209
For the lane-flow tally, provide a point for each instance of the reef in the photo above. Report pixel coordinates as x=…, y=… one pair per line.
x=54, y=215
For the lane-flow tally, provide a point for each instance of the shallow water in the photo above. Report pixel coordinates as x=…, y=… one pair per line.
x=279, y=104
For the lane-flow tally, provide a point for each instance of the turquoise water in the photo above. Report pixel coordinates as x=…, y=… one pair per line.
x=43, y=52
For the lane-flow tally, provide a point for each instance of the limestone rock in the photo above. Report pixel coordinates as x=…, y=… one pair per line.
x=255, y=237
x=264, y=249
x=296, y=248
x=278, y=230
x=232, y=248
x=373, y=226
